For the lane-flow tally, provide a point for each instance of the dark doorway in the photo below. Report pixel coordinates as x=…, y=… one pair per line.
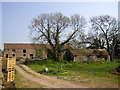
x=6, y=55
x=31, y=56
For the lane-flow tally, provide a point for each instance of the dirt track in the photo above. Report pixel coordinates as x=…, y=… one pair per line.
x=47, y=81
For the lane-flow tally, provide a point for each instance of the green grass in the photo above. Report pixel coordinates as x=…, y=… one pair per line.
x=93, y=67
x=98, y=69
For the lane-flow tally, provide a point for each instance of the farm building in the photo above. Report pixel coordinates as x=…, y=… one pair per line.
x=26, y=50
x=90, y=55
x=79, y=55
x=23, y=50
x=39, y=50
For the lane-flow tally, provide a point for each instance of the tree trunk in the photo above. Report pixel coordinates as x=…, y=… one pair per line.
x=111, y=57
x=108, y=48
x=110, y=54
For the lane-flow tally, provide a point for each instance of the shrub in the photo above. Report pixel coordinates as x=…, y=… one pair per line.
x=38, y=53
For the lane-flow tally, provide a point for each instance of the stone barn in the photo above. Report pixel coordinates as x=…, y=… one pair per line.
x=90, y=55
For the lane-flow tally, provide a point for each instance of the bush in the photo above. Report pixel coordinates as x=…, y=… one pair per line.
x=39, y=53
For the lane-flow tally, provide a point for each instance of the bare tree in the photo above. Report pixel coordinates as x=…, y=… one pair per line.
x=106, y=26
x=79, y=24
x=51, y=28
x=96, y=41
x=79, y=42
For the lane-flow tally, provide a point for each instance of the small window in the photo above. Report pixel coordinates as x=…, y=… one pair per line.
x=13, y=50
x=31, y=55
x=13, y=55
x=24, y=51
x=24, y=54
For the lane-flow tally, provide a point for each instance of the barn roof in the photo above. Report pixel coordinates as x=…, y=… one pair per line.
x=89, y=52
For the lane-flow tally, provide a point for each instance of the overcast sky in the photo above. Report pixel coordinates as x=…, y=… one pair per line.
x=16, y=16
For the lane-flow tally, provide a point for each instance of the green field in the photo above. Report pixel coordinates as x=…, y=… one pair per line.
x=79, y=71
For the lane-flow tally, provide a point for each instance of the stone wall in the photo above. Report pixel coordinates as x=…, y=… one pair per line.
x=19, y=53
x=16, y=50
x=30, y=53
x=89, y=58
x=90, y=55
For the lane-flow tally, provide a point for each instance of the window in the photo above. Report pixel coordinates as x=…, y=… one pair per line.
x=13, y=55
x=24, y=54
x=31, y=55
x=13, y=50
x=24, y=51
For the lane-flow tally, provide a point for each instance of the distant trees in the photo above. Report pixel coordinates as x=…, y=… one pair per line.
x=96, y=44
x=79, y=42
x=96, y=40
x=51, y=28
x=117, y=46
x=105, y=32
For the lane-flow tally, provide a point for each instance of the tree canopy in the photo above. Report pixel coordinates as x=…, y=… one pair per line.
x=57, y=30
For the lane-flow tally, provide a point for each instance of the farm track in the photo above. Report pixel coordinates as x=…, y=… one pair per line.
x=47, y=81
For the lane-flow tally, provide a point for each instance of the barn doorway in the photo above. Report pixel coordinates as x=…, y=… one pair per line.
x=6, y=55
